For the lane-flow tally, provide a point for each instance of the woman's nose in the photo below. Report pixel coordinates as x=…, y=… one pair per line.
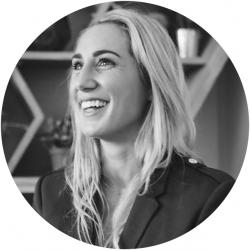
x=87, y=85
x=86, y=82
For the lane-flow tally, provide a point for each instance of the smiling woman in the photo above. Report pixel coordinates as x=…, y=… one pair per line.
x=131, y=181
x=105, y=72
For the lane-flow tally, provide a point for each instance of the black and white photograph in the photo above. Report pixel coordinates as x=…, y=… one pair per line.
x=125, y=125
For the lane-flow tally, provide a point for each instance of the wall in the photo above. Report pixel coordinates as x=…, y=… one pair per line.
x=222, y=123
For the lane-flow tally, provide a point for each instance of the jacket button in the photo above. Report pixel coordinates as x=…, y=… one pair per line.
x=192, y=161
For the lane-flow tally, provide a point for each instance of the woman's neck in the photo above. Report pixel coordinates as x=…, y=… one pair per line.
x=119, y=163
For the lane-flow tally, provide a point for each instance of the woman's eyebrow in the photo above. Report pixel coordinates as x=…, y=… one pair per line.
x=96, y=53
x=104, y=51
x=77, y=56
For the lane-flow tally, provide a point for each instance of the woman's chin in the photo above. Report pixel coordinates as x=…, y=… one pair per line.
x=99, y=135
x=91, y=133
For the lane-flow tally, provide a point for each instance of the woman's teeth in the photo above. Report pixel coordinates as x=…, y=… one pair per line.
x=92, y=104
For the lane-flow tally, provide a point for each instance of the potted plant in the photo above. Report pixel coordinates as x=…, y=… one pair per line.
x=57, y=136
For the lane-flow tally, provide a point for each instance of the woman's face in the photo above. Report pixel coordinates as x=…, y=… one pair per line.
x=109, y=98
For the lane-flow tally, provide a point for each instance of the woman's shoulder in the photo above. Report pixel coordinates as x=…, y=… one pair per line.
x=190, y=174
x=188, y=192
x=191, y=178
x=54, y=174
x=53, y=201
x=50, y=189
x=195, y=169
x=53, y=180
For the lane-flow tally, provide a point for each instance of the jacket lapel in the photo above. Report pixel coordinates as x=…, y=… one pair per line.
x=140, y=216
x=145, y=207
x=143, y=210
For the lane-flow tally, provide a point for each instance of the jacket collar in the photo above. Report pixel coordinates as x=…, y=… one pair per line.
x=145, y=206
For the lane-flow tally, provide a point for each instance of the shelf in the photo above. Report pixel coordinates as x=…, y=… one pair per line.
x=67, y=55
x=26, y=184
x=47, y=56
x=194, y=61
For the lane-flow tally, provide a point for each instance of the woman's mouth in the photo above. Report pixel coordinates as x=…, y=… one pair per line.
x=92, y=106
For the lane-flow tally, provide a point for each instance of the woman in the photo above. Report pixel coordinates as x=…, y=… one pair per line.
x=130, y=182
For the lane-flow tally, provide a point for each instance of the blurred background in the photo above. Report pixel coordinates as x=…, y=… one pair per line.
x=36, y=130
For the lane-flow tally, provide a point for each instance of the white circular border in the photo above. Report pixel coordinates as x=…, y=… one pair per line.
x=21, y=21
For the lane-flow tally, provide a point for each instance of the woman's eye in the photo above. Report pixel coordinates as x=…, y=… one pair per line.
x=76, y=65
x=104, y=62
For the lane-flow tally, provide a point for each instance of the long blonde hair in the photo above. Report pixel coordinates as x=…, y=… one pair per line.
x=168, y=127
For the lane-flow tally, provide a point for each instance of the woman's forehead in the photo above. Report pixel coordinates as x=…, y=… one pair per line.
x=103, y=36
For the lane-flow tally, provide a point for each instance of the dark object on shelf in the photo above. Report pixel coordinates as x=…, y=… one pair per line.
x=54, y=38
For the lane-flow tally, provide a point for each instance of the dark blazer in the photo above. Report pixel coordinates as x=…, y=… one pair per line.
x=179, y=198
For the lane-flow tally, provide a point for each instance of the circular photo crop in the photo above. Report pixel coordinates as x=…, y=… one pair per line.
x=124, y=125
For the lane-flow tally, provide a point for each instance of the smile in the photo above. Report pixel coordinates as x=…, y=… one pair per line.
x=92, y=106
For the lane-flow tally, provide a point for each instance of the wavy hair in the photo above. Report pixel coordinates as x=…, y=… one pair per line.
x=168, y=127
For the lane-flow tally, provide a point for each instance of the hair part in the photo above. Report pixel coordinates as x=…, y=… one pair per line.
x=168, y=127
